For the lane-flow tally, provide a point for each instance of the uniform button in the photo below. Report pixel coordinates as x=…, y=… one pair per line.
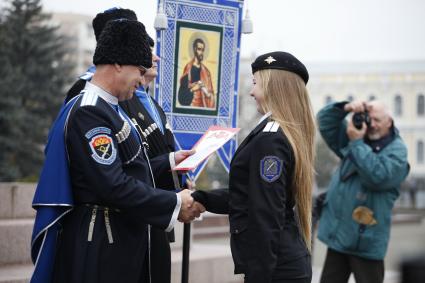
x=236, y=231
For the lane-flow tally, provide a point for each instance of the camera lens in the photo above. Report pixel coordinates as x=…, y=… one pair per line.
x=358, y=119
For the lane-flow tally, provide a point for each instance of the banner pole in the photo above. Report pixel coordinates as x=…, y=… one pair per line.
x=186, y=250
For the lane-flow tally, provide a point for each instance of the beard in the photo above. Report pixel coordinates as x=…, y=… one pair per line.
x=373, y=136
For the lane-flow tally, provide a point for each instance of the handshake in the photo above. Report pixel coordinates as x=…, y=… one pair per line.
x=190, y=209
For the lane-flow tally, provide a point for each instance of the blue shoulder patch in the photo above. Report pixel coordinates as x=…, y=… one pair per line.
x=270, y=168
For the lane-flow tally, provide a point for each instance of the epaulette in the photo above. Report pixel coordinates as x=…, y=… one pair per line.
x=89, y=73
x=89, y=98
x=271, y=127
x=87, y=76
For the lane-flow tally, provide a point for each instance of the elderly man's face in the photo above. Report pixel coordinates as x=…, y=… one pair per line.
x=128, y=80
x=380, y=122
x=153, y=71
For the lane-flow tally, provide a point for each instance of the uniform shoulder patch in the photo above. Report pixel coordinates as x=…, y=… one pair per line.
x=270, y=168
x=101, y=145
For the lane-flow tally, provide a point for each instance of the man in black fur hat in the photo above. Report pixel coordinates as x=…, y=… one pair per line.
x=105, y=237
x=156, y=133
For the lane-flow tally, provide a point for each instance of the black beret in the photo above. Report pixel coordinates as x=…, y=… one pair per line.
x=101, y=19
x=123, y=42
x=281, y=61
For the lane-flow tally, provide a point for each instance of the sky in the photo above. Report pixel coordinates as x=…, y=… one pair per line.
x=314, y=30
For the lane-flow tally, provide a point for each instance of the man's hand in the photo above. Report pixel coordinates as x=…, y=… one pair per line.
x=353, y=133
x=186, y=214
x=355, y=106
x=181, y=155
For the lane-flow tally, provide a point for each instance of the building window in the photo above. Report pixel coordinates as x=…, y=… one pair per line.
x=372, y=97
x=398, y=105
x=328, y=100
x=350, y=98
x=421, y=106
x=420, y=152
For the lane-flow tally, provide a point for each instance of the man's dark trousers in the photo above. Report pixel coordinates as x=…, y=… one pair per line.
x=338, y=267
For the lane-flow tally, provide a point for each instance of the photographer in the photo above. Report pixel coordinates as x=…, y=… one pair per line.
x=356, y=215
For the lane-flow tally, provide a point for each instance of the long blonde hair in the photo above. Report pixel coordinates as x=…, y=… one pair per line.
x=286, y=97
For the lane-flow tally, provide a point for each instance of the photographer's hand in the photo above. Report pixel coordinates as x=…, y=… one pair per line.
x=355, y=106
x=353, y=133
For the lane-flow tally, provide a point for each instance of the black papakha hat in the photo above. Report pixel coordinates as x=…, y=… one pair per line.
x=123, y=42
x=115, y=13
x=281, y=61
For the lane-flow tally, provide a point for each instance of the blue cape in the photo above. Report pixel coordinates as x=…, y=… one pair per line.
x=52, y=199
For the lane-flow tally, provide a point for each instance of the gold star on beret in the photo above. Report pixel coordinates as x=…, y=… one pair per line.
x=270, y=60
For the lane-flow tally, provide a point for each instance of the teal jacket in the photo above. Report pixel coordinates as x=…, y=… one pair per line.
x=365, y=177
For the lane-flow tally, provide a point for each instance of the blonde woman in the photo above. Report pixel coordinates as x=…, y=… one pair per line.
x=271, y=177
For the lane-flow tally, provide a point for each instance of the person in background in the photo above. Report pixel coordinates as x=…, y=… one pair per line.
x=356, y=215
x=271, y=173
x=151, y=122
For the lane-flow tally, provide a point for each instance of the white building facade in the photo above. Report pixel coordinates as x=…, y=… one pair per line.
x=81, y=40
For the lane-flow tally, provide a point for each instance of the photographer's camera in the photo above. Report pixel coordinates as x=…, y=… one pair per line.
x=359, y=118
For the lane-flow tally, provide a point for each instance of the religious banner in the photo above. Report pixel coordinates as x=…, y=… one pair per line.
x=197, y=84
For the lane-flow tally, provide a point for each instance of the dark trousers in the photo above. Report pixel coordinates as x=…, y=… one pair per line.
x=160, y=257
x=300, y=267
x=339, y=266
x=302, y=280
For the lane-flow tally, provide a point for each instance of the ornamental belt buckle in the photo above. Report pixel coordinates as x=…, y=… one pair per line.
x=364, y=215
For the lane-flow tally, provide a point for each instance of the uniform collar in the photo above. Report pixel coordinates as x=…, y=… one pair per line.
x=265, y=116
x=261, y=124
x=102, y=93
x=140, y=92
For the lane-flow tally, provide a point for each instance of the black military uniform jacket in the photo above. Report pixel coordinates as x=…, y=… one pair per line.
x=158, y=143
x=155, y=141
x=105, y=237
x=265, y=241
